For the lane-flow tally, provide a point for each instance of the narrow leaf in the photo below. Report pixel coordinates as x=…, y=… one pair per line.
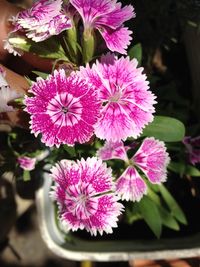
x=47, y=49
x=173, y=205
x=151, y=215
x=168, y=219
x=41, y=74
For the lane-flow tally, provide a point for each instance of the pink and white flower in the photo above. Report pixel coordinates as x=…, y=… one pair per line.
x=152, y=158
x=192, y=148
x=112, y=150
x=108, y=17
x=26, y=163
x=63, y=109
x=130, y=185
x=83, y=193
x=127, y=103
x=6, y=93
x=44, y=19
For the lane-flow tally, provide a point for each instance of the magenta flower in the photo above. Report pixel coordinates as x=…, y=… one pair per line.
x=130, y=185
x=127, y=103
x=152, y=158
x=64, y=109
x=44, y=19
x=193, y=148
x=108, y=17
x=112, y=150
x=6, y=93
x=83, y=193
x=26, y=163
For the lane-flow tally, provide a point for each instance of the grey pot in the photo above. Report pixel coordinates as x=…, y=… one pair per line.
x=79, y=249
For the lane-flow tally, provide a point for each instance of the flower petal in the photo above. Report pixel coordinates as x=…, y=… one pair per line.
x=130, y=186
x=152, y=158
x=26, y=163
x=116, y=40
x=117, y=17
x=112, y=150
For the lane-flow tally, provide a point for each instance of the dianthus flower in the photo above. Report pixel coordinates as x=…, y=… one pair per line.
x=127, y=104
x=44, y=19
x=192, y=148
x=107, y=16
x=6, y=93
x=83, y=191
x=26, y=163
x=63, y=109
x=151, y=158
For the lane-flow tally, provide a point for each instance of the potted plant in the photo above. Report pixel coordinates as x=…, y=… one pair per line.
x=101, y=151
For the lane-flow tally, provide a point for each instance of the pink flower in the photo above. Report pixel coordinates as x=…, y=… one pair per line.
x=27, y=163
x=193, y=148
x=127, y=103
x=112, y=150
x=130, y=185
x=44, y=19
x=64, y=109
x=83, y=192
x=152, y=158
x=108, y=17
x=6, y=93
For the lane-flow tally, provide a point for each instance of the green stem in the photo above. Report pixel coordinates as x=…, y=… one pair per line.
x=88, y=45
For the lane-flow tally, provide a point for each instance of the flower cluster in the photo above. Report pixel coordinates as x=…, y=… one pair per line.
x=107, y=99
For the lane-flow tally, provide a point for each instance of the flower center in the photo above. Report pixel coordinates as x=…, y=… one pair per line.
x=116, y=97
x=65, y=109
x=116, y=93
x=80, y=202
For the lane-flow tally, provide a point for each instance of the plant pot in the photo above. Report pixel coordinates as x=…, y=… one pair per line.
x=124, y=250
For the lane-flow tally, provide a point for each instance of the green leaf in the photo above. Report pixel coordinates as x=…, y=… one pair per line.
x=172, y=205
x=136, y=52
x=50, y=48
x=26, y=176
x=168, y=219
x=182, y=168
x=166, y=129
x=133, y=214
x=43, y=75
x=151, y=215
x=70, y=150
